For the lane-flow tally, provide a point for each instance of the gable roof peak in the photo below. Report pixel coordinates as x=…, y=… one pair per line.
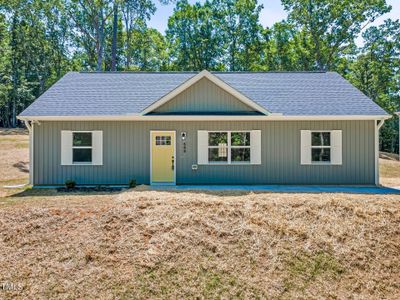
x=213, y=78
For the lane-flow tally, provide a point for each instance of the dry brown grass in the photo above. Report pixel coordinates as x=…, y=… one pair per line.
x=147, y=244
x=390, y=172
x=156, y=245
x=14, y=157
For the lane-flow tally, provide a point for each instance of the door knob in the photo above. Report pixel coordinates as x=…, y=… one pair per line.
x=173, y=160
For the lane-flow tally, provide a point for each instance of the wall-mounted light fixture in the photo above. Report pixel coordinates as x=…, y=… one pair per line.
x=183, y=135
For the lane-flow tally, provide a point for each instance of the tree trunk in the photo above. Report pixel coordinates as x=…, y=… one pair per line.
x=15, y=75
x=100, y=41
x=128, y=45
x=114, y=39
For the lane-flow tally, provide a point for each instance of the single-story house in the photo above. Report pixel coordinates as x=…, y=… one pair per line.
x=204, y=128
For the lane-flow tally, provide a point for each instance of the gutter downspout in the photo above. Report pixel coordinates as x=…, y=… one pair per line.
x=378, y=125
x=29, y=125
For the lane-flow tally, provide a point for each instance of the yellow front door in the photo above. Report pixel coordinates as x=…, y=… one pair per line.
x=162, y=157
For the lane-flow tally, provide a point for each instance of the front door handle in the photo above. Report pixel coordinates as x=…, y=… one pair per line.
x=173, y=163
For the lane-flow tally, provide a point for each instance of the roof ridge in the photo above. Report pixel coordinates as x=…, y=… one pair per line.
x=196, y=72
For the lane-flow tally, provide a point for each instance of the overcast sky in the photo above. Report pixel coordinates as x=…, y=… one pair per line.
x=272, y=12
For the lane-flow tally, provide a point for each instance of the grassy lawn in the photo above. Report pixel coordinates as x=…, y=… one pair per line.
x=156, y=245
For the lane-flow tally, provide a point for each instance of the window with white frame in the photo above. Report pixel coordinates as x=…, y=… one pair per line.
x=82, y=147
x=320, y=146
x=229, y=147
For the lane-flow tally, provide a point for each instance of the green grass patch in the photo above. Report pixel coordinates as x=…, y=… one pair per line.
x=22, y=145
x=201, y=283
x=304, y=268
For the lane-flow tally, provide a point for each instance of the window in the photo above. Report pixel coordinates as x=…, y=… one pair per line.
x=82, y=147
x=163, y=140
x=229, y=147
x=320, y=146
x=240, y=146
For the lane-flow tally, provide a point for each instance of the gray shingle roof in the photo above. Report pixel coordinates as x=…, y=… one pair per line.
x=289, y=93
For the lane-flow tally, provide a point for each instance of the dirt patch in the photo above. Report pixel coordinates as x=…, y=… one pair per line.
x=14, y=158
x=13, y=131
x=389, y=156
x=149, y=244
x=390, y=172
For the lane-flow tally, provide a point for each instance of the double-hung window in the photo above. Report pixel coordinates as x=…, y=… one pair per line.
x=82, y=147
x=240, y=147
x=229, y=147
x=321, y=147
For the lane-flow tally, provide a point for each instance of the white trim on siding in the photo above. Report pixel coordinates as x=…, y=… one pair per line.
x=138, y=117
x=336, y=147
x=202, y=147
x=66, y=147
x=97, y=148
x=151, y=157
x=305, y=148
x=377, y=128
x=255, y=147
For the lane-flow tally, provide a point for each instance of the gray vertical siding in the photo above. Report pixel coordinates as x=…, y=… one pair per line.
x=204, y=96
x=127, y=146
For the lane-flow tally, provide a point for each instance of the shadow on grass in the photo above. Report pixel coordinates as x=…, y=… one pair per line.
x=22, y=166
x=234, y=192
x=42, y=192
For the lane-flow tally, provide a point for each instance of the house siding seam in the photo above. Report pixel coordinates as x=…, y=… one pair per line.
x=126, y=153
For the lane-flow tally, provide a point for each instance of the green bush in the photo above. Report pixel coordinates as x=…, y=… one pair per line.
x=132, y=183
x=70, y=184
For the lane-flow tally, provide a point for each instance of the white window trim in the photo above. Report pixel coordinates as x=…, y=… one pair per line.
x=322, y=147
x=81, y=147
x=228, y=149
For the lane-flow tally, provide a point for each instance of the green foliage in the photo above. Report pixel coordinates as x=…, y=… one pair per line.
x=193, y=37
x=42, y=40
x=132, y=183
x=70, y=184
x=332, y=26
x=306, y=268
x=376, y=73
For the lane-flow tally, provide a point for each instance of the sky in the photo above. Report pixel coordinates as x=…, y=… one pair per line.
x=273, y=12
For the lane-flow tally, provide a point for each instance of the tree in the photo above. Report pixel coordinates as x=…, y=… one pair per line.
x=332, y=25
x=90, y=17
x=135, y=13
x=279, y=48
x=149, y=51
x=376, y=73
x=193, y=38
x=35, y=51
x=238, y=26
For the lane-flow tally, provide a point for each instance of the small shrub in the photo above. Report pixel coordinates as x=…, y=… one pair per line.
x=70, y=184
x=132, y=183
